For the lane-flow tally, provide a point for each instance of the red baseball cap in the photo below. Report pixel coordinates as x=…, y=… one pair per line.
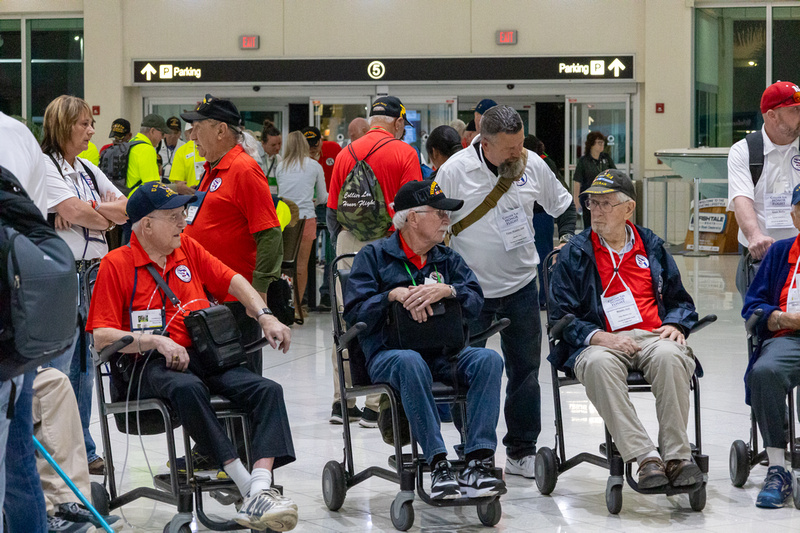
x=780, y=94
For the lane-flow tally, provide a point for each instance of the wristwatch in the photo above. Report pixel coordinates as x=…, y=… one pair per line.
x=452, y=291
x=565, y=238
x=264, y=311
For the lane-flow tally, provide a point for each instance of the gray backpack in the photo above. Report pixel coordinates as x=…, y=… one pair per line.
x=114, y=164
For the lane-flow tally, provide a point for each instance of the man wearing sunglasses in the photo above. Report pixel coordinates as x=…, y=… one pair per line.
x=763, y=169
x=631, y=312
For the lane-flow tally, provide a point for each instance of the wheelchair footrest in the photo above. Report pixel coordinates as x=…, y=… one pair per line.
x=206, y=483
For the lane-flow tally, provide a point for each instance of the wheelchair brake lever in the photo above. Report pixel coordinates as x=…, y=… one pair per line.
x=750, y=324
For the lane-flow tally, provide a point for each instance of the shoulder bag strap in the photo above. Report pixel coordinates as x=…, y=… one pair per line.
x=503, y=184
x=163, y=285
x=755, y=149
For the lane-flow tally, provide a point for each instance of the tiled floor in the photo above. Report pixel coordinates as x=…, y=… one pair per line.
x=576, y=504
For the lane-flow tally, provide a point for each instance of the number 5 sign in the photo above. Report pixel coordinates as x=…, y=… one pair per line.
x=376, y=70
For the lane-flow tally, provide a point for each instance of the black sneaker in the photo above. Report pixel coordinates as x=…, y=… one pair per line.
x=199, y=462
x=478, y=481
x=444, y=485
x=354, y=414
x=59, y=525
x=75, y=512
x=369, y=418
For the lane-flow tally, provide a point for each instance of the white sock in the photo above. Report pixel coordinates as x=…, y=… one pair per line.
x=776, y=457
x=239, y=474
x=651, y=453
x=260, y=479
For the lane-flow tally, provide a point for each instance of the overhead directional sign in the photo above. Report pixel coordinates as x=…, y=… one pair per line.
x=367, y=70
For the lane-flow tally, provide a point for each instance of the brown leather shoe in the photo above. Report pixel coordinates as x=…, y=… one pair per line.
x=683, y=472
x=652, y=473
x=97, y=467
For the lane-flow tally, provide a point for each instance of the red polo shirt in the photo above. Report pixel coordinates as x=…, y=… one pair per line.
x=635, y=270
x=327, y=158
x=415, y=259
x=124, y=284
x=237, y=204
x=794, y=255
x=394, y=165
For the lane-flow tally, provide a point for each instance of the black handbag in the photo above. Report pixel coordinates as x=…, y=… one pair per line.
x=444, y=333
x=216, y=339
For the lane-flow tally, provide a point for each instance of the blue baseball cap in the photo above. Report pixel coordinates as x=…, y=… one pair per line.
x=484, y=105
x=154, y=196
x=796, y=195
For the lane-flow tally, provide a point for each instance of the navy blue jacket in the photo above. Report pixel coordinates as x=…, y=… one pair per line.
x=765, y=293
x=380, y=267
x=575, y=288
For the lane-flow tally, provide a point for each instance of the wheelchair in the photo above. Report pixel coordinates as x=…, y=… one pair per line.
x=152, y=416
x=746, y=455
x=552, y=462
x=405, y=469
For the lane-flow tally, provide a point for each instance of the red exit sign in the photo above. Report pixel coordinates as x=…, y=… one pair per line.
x=506, y=37
x=248, y=42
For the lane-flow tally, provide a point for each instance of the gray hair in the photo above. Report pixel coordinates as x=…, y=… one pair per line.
x=144, y=130
x=381, y=119
x=500, y=119
x=401, y=217
x=136, y=225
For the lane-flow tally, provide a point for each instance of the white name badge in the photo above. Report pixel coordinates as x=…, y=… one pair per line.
x=621, y=310
x=193, y=208
x=515, y=228
x=429, y=281
x=793, y=301
x=147, y=319
x=777, y=210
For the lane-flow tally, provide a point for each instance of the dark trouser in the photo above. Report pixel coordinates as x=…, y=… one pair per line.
x=189, y=397
x=251, y=332
x=775, y=372
x=746, y=271
x=543, y=230
x=521, y=343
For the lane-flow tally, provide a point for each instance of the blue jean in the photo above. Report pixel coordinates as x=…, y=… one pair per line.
x=543, y=230
x=480, y=369
x=774, y=374
x=5, y=423
x=521, y=343
x=24, y=502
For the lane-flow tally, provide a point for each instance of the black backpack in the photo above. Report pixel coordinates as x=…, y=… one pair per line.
x=755, y=148
x=114, y=164
x=38, y=284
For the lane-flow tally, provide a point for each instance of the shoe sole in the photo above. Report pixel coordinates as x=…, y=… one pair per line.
x=762, y=505
x=336, y=420
x=485, y=492
x=368, y=423
x=283, y=520
x=688, y=476
x=447, y=496
x=516, y=472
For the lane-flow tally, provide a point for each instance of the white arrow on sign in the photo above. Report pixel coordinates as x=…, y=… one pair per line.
x=149, y=70
x=615, y=65
x=591, y=121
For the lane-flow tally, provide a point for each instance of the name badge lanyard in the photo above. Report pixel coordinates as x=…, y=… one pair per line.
x=145, y=320
x=514, y=225
x=793, y=295
x=87, y=236
x=414, y=282
x=621, y=309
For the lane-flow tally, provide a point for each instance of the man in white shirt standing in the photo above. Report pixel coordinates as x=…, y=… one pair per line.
x=498, y=246
x=760, y=195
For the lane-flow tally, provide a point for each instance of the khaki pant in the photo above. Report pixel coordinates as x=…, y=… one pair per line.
x=57, y=425
x=667, y=366
x=346, y=243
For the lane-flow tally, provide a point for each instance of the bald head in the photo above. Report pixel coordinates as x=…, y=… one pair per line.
x=357, y=128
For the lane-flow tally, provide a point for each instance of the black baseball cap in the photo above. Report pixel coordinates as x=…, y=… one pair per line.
x=312, y=135
x=153, y=196
x=155, y=121
x=426, y=192
x=612, y=180
x=215, y=108
x=484, y=105
x=120, y=128
x=174, y=123
x=389, y=106
x=470, y=126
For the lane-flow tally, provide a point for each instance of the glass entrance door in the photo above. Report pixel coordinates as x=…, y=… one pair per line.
x=332, y=116
x=426, y=114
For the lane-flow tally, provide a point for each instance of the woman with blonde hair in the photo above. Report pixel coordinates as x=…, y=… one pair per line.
x=301, y=180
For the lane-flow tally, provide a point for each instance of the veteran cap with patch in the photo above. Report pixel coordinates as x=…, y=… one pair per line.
x=612, y=180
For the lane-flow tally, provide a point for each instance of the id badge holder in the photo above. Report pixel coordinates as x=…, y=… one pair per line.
x=147, y=320
x=621, y=310
x=194, y=208
x=777, y=210
x=793, y=301
x=515, y=228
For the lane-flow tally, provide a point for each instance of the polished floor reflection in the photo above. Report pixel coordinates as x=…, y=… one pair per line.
x=576, y=504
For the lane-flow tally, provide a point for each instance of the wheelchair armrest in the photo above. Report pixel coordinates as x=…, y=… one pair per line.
x=351, y=332
x=256, y=345
x=750, y=325
x=491, y=330
x=105, y=354
x=557, y=330
x=703, y=322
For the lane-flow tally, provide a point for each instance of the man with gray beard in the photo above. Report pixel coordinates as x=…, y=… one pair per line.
x=496, y=240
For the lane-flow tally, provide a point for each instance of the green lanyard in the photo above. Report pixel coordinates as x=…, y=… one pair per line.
x=413, y=281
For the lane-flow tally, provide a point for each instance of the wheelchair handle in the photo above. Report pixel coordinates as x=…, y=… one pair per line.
x=750, y=325
x=491, y=330
x=558, y=328
x=106, y=353
x=348, y=335
x=703, y=322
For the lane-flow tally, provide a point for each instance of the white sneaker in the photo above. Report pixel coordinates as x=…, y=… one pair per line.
x=523, y=466
x=268, y=509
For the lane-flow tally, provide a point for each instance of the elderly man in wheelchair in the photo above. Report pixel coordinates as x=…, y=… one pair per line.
x=411, y=276
x=153, y=291
x=631, y=312
x=774, y=367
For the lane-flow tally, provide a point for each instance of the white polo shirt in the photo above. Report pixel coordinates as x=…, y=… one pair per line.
x=76, y=183
x=465, y=176
x=22, y=155
x=780, y=175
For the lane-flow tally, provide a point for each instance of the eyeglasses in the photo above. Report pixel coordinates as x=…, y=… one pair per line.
x=795, y=98
x=174, y=218
x=601, y=207
x=438, y=212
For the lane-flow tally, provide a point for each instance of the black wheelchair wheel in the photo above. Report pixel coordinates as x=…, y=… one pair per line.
x=185, y=528
x=546, y=470
x=739, y=463
x=614, y=499
x=402, y=515
x=489, y=513
x=697, y=499
x=100, y=498
x=334, y=488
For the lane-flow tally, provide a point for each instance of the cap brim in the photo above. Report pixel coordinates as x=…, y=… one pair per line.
x=408, y=123
x=179, y=200
x=447, y=204
x=192, y=116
